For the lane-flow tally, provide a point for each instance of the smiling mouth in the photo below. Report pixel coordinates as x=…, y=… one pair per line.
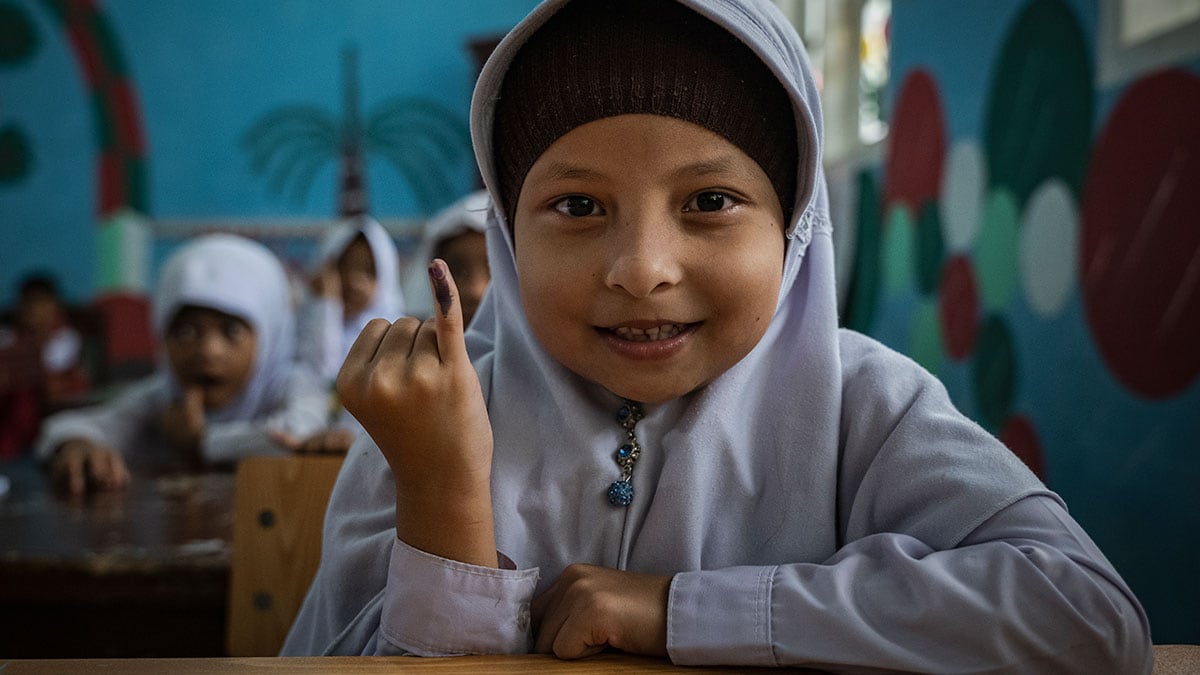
x=665, y=331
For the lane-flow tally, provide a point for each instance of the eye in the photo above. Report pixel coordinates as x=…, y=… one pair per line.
x=234, y=331
x=710, y=201
x=184, y=332
x=578, y=206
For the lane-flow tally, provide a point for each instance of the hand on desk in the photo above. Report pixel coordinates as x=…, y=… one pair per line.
x=590, y=608
x=79, y=466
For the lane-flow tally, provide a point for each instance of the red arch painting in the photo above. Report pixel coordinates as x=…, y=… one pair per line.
x=118, y=126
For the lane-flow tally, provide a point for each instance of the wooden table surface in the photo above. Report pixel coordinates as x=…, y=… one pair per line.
x=1168, y=660
x=140, y=572
x=363, y=665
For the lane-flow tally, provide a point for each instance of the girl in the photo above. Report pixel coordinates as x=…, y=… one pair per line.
x=229, y=382
x=654, y=437
x=355, y=277
x=456, y=235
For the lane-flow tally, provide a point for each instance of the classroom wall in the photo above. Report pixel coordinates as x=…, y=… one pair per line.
x=119, y=115
x=1031, y=237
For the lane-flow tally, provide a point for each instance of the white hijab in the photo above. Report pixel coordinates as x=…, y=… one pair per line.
x=237, y=276
x=786, y=391
x=467, y=214
x=388, y=302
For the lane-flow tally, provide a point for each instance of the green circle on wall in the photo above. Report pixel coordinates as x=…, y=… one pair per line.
x=997, y=250
x=994, y=372
x=863, y=294
x=15, y=155
x=925, y=337
x=931, y=248
x=18, y=38
x=898, y=249
x=1039, y=118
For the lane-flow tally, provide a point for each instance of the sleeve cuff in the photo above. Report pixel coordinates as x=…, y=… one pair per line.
x=721, y=617
x=439, y=607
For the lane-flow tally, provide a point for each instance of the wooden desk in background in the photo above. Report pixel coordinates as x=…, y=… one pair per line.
x=142, y=572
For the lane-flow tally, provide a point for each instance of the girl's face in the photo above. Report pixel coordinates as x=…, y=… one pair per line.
x=356, y=268
x=211, y=350
x=650, y=254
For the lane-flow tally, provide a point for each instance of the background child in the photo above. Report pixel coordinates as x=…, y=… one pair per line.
x=41, y=363
x=456, y=235
x=654, y=437
x=229, y=380
x=355, y=277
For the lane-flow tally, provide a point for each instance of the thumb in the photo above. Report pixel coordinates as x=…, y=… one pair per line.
x=447, y=312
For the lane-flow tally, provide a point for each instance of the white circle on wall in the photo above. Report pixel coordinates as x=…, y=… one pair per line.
x=1049, y=247
x=964, y=182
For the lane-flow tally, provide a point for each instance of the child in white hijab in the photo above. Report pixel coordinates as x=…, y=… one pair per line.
x=654, y=437
x=229, y=381
x=355, y=277
x=456, y=235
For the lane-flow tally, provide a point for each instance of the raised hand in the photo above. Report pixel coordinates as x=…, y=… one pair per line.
x=411, y=385
x=80, y=465
x=589, y=608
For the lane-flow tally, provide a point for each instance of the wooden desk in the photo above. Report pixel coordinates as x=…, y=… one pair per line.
x=142, y=572
x=1168, y=660
x=602, y=664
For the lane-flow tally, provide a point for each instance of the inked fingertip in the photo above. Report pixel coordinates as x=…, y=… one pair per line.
x=441, y=285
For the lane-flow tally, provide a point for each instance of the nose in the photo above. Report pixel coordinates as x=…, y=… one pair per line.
x=645, y=257
x=210, y=344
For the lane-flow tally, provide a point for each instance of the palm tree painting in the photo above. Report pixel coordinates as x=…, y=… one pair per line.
x=420, y=138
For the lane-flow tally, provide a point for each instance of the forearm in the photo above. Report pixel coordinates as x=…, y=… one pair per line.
x=1011, y=599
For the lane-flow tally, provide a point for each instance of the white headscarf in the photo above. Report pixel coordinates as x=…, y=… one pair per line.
x=467, y=214
x=388, y=302
x=240, y=277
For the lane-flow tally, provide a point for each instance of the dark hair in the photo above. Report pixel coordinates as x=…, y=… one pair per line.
x=602, y=58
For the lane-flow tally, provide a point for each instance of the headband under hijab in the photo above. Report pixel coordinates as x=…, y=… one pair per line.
x=595, y=59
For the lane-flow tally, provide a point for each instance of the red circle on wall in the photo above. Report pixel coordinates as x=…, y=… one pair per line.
x=958, y=307
x=916, y=144
x=1139, y=239
x=1021, y=438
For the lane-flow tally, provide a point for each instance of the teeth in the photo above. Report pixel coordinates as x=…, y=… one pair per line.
x=663, y=332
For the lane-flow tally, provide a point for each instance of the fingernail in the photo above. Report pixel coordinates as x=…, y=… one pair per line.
x=441, y=288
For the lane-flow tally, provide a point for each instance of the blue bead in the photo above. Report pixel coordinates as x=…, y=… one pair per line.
x=623, y=413
x=620, y=493
x=624, y=451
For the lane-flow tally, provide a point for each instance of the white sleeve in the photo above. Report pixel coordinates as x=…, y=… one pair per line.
x=1026, y=591
x=438, y=607
x=302, y=410
x=118, y=423
x=319, y=336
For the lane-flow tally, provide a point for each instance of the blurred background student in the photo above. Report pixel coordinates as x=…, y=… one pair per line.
x=354, y=277
x=41, y=362
x=229, y=382
x=455, y=234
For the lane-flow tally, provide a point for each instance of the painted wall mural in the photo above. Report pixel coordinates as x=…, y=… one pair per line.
x=1043, y=259
x=420, y=138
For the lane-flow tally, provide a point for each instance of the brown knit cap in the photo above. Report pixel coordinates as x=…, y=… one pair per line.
x=602, y=58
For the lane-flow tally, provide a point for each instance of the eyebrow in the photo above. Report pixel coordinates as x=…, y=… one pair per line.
x=564, y=171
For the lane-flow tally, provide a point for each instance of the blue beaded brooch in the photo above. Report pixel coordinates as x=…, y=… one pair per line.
x=620, y=493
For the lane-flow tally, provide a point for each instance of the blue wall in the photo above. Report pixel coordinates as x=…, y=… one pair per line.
x=201, y=75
